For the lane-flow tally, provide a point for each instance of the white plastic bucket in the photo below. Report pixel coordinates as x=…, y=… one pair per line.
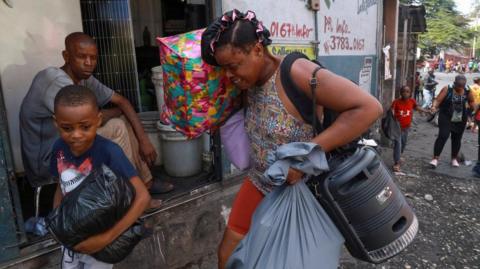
x=182, y=157
x=157, y=79
x=149, y=122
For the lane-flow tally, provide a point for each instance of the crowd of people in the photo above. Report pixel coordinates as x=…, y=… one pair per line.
x=456, y=107
x=450, y=65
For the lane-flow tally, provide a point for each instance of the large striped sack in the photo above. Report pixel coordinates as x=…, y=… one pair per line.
x=198, y=96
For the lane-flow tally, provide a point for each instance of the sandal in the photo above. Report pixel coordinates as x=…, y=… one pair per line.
x=161, y=187
x=396, y=168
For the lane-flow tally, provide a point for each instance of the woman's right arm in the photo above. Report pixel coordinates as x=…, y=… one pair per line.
x=357, y=108
x=439, y=99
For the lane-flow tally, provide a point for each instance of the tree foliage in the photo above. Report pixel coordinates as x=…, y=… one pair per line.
x=475, y=26
x=446, y=27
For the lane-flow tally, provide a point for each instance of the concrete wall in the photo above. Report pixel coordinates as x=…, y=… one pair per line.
x=187, y=235
x=289, y=22
x=32, y=39
x=348, y=33
x=390, y=22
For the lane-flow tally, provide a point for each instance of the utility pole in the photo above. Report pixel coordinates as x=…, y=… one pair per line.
x=475, y=36
x=476, y=9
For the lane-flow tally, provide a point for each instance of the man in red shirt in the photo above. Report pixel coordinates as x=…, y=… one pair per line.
x=403, y=111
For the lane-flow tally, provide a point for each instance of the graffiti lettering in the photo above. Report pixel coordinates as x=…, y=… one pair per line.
x=342, y=27
x=343, y=43
x=290, y=30
x=287, y=50
x=327, y=25
x=339, y=36
x=364, y=5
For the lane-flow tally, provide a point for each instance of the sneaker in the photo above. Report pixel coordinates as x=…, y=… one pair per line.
x=455, y=163
x=434, y=163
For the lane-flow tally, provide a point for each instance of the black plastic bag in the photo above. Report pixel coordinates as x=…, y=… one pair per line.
x=99, y=202
x=390, y=126
x=123, y=245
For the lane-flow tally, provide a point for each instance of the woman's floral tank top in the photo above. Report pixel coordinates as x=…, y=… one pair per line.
x=269, y=126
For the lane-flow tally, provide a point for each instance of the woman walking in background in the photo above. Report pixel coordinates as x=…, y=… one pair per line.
x=452, y=117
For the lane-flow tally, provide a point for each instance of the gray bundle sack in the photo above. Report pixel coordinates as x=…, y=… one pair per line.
x=290, y=230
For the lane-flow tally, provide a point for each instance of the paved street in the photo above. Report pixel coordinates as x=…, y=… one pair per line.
x=449, y=234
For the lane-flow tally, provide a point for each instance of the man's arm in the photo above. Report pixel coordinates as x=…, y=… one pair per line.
x=98, y=242
x=430, y=82
x=147, y=151
x=110, y=113
x=105, y=95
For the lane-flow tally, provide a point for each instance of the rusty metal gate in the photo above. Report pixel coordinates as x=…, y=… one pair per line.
x=11, y=221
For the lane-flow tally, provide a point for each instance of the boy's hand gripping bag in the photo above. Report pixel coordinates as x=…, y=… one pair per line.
x=289, y=230
x=93, y=207
x=198, y=96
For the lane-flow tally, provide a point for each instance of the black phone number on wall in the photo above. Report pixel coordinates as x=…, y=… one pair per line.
x=336, y=43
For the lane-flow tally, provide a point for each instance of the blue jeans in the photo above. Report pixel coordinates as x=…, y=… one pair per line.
x=399, y=146
x=427, y=99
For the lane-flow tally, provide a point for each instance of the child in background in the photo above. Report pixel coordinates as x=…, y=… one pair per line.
x=403, y=111
x=76, y=153
x=475, y=90
x=418, y=95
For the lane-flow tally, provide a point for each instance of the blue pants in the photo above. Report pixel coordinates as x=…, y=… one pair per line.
x=73, y=260
x=399, y=146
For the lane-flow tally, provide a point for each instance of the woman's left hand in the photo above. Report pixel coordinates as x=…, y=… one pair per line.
x=294, y=176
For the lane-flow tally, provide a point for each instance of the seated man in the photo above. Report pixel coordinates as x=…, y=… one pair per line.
x=37, y=129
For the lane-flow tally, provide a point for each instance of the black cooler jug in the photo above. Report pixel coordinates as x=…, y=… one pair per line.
x=366, y=206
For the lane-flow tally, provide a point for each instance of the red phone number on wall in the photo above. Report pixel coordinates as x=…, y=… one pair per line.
x=290, y=30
